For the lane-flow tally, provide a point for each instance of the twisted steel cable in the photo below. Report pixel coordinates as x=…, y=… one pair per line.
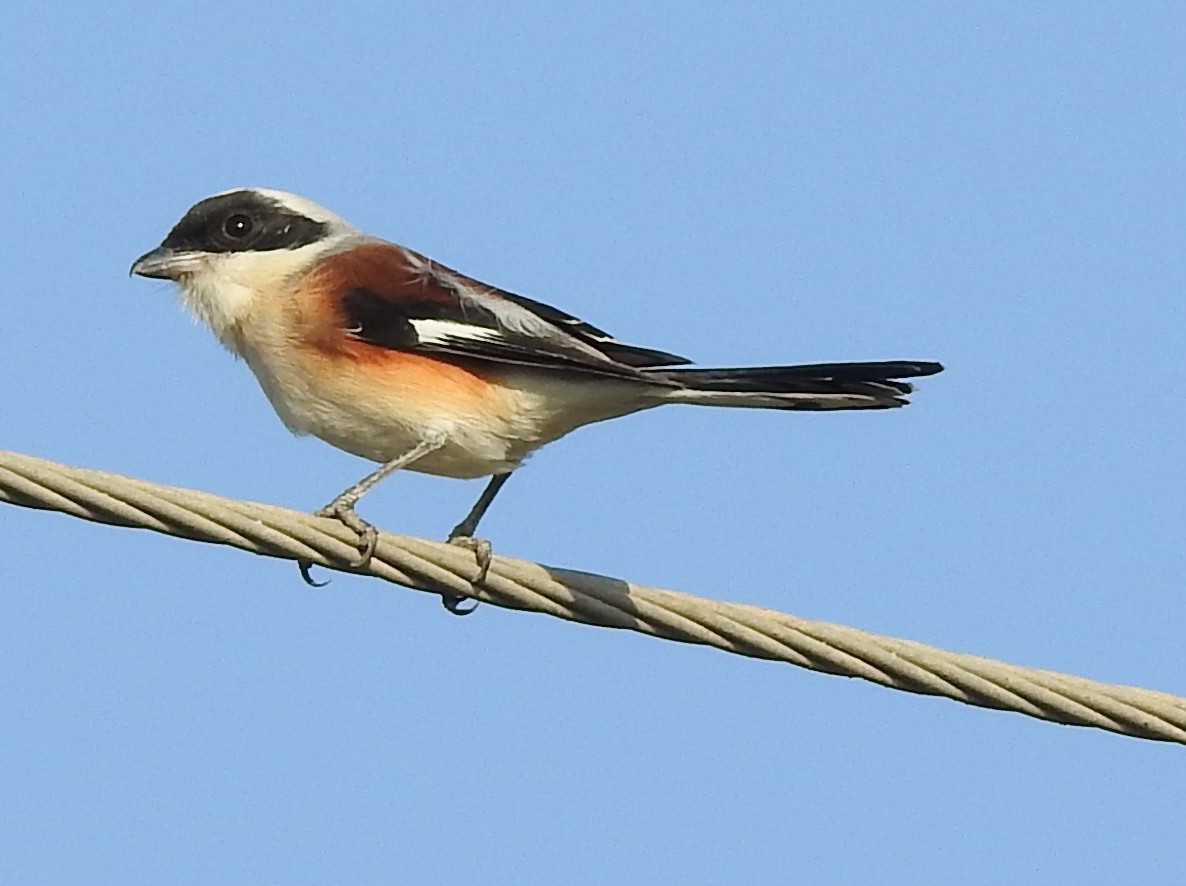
x=594, y=599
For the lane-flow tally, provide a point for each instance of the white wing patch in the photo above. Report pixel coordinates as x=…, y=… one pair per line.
x=444, y=331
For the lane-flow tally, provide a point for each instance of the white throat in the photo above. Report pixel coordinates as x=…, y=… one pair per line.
x=225, y=290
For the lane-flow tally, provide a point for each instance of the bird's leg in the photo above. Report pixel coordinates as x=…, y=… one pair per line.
x=467, y=527
x=463, y=535
x=342, y=507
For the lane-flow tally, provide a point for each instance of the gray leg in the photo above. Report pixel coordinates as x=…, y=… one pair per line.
x=462, y=535
x=467, y=527
x=342, y=507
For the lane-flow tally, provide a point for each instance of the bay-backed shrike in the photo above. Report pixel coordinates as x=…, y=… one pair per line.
x=389, y=355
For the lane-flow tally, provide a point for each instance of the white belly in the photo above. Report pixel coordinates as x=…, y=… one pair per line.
x=381, y=417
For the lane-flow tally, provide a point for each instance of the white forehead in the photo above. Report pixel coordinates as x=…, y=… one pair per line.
x=298, y=204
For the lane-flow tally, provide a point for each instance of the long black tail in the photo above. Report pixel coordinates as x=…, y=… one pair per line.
x=810, y=387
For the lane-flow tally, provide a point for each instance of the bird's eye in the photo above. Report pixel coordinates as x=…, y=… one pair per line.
x=238, y=226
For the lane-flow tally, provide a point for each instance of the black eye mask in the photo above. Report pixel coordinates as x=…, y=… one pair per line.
x=242, y=221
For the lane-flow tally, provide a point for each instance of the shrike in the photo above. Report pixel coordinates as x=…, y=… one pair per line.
x=393, y=357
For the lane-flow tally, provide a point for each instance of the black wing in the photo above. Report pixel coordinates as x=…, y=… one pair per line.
x=631, y=355
x=395, y=298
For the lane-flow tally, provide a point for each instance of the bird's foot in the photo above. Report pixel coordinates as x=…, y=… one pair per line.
x=483, y=553
x=342, y=510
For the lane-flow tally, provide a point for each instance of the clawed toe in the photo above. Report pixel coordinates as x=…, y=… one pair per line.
x=304, y=566
x=452, y=603
x=483, y=553
x=368, y=540
x=368, y=535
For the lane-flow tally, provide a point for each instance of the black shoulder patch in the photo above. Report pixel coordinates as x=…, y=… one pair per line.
x=242, y=221
x=378, y=321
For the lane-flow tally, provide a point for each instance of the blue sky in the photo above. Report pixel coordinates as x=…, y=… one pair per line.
x=991, y=185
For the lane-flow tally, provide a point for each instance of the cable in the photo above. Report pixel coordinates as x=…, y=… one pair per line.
x=597, y=600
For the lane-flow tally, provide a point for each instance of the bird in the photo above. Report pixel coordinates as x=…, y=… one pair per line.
x=389, y=355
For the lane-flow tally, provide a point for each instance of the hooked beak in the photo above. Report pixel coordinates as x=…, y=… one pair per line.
x=164, y=263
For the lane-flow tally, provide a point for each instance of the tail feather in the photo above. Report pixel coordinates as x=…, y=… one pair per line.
x=810, y=387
